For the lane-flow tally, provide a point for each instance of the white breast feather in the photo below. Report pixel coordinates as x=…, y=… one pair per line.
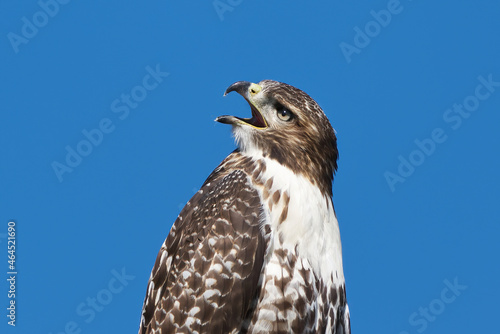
x=311, y=224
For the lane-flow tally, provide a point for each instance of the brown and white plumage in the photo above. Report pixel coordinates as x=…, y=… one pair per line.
x=257, y=249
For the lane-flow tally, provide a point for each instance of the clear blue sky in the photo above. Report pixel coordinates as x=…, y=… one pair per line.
x=106, y=129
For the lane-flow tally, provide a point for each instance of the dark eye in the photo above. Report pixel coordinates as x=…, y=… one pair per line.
x=284, y=114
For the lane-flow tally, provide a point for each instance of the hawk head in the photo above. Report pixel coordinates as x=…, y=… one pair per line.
x=287, y=125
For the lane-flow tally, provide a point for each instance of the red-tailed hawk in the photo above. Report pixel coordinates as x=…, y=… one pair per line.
x=257, y=249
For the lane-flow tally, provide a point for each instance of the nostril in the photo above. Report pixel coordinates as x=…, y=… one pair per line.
x=254, y=89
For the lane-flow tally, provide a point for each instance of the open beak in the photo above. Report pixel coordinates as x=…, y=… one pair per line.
x=247, y=90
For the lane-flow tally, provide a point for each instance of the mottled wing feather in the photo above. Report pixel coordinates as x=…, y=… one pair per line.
x=207, y=272
x=341, y=318
x=344, y=324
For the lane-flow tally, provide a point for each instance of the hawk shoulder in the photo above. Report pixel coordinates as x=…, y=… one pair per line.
x=206, y=275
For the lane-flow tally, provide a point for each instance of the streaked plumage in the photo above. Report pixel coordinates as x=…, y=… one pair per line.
x=257, y=249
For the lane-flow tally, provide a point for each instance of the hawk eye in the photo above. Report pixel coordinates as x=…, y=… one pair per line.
x=284, y=114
